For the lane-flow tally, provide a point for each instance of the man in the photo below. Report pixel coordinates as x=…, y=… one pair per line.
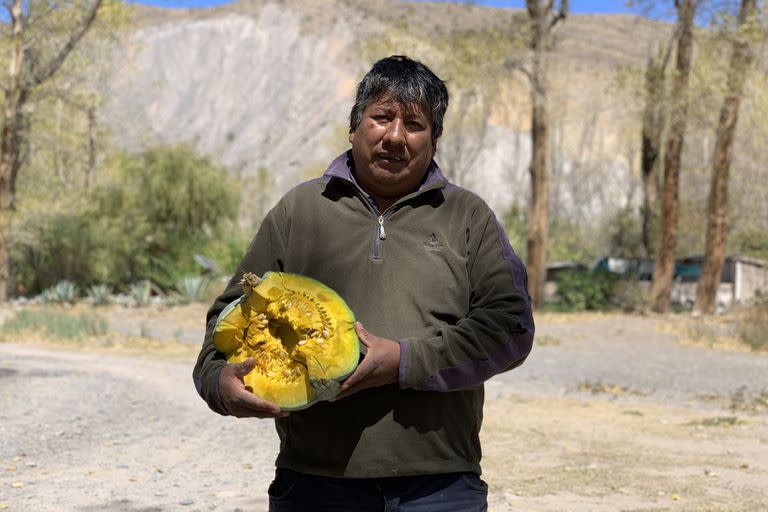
x=425, y=266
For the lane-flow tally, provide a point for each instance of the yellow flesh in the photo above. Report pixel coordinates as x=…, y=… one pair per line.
x=297, y=330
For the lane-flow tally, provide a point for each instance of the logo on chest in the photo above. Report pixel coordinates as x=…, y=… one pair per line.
x=433, y=244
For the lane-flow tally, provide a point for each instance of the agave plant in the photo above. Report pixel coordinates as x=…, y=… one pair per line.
x=61, y=293
x=99, y=294
x=140, y=292
x=191, y=288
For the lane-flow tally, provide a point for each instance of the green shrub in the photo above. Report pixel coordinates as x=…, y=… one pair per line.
x=55, y=323
x=753, y=329
x=582, y=290
x=631, y=295
x=144, y=220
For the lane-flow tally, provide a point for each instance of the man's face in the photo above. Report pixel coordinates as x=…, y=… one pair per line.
x=392, y=147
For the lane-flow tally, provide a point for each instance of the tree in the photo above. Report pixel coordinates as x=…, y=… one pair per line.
x=33, y=60
x=652, y=133
x=543, y=20
x=664, y=267
x=714, y=254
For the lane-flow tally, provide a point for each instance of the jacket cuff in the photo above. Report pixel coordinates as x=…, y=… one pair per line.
x=220, y=407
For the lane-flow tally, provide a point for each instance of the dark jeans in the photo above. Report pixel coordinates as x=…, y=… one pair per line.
x=451, y=492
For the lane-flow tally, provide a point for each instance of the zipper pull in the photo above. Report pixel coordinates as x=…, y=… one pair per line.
x=382, y=234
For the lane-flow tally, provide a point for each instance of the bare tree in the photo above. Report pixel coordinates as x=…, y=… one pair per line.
x=714, y=255
x=544, y=19
x=664, y=267
x=27, y=71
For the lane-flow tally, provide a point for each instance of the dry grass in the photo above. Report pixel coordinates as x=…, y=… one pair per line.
x=715, y=332
x=599, y=455
x=154, y=337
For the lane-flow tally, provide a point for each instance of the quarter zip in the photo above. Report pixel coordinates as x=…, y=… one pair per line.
x=380, y=235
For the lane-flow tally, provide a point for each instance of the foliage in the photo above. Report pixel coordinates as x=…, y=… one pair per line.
x=140, y=292
x=753, y=330
x=631, y=295
x=570, y=240
x=514, y=222
x=63, y=292
x=750, y=241
x=66, y=130
x=227, y=249
x=584, y=290
x=145, y=219
x=625, y=235
x=191, y=288
x=98, y=294
x=55, y=323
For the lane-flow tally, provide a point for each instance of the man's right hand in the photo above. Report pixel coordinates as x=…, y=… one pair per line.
x=239, y=401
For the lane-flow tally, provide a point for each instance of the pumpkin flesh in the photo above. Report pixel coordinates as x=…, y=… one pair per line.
x=300, y=333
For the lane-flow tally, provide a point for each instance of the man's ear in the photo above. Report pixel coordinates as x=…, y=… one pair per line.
x=351, y=136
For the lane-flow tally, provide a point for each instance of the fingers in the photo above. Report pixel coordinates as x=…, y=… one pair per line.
x=244, y=368
x=361, y=372
x=362, y=334
x=238, y=400
x=247, y=405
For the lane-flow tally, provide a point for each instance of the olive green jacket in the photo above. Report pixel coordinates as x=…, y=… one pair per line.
x=435, y=272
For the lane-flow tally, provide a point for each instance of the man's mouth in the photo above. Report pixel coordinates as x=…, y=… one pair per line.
x=392, y=158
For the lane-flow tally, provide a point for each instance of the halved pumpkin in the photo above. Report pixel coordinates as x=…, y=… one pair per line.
x=300, y=332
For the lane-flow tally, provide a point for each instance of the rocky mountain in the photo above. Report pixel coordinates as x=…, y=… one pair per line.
x=265, y=87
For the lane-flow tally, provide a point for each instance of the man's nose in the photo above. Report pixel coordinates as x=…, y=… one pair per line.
x=395, y=133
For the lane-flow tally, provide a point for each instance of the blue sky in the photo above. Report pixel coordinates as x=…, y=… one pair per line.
x=577, y=6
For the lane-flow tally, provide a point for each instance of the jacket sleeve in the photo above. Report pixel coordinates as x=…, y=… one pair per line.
x=497, y=333
x=263, y=254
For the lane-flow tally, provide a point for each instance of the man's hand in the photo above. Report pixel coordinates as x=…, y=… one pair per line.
x=239, y=401
x=380, y=366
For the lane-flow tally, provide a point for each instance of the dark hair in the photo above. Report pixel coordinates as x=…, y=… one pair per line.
x=407, y=82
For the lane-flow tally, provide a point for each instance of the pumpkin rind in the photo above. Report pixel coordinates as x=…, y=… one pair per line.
x=300, y=332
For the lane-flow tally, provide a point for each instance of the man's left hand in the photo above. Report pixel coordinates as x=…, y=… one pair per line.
x=380, y=366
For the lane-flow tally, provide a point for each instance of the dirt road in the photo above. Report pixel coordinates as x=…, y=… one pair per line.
x=610, y=413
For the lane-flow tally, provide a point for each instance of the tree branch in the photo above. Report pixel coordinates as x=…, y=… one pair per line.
x=668, y=50
x=517, y=65
x=54, y=64
x=562, y=12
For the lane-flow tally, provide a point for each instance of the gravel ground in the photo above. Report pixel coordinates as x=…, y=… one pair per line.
x=638, y=359
x=609, y=413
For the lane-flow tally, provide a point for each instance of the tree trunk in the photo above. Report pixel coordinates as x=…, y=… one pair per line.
x=653, y=129
x=664, y=266
x=714, y=255
x=9, y=143
x=538, y=220
x=542, y=25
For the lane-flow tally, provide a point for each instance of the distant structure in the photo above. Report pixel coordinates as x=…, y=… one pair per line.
x=743, y=279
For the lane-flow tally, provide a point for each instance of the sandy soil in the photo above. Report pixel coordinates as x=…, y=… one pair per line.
x=610, y=413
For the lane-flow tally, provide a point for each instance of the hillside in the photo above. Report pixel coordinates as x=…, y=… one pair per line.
x=268, y=85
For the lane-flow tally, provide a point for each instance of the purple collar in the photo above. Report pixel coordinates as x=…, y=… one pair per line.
x=341, y=167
